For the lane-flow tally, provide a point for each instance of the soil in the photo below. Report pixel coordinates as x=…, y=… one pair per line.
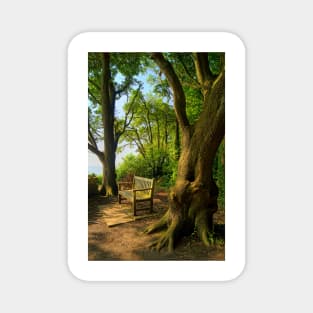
x=128, y=242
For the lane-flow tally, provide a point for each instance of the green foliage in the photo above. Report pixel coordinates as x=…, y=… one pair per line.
x=194, y=103
x=169, y=174
x=152, y=132
x=92, y=185
x=215, y=62
x=132, y=165
x=124, y=67
x=140, y=166
x=148, y=123
x=128, y=64
x=219, y=173
x=99, y=179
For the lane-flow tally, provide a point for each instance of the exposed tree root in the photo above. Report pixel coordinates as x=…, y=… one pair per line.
x=197, y=214
x=165, y=240
x=204, y=225
x=160, y=225
x=204, y=236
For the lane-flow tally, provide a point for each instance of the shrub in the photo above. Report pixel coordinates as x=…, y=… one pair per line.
x=92, y=185
x=157, y=165
x=129, y=166
x=99, y=179
x=219, y=174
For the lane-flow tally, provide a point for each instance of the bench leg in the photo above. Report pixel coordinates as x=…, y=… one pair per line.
x=119, y=198
x=134, y=208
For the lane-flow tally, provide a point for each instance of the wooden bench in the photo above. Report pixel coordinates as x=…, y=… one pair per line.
x=141, y=190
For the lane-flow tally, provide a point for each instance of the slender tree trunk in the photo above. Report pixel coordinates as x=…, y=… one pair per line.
x=109, y=168
x=108, y=101
x=158, y=132
x=102, y=189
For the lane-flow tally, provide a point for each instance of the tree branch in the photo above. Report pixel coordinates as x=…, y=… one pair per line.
x=124, y=87
x=147, y=117
x=195, y=82
x=216, y=98
x=127, y=122
x=93, y=96
x=91, y=137
x=138, y=143
x=94, y=84
x=203, y=69
x=179, y=96
x=218, y=92
x=97, y=152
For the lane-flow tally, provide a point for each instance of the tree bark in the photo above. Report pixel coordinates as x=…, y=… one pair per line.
x=102, y=188
x=108, y=102
x=177, y=141
x=193, y=199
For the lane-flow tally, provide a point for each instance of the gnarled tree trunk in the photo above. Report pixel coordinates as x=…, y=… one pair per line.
x=193, y=199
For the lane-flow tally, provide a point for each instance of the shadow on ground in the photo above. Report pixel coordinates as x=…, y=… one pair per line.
x=127, y=241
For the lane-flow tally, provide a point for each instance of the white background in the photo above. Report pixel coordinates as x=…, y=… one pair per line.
x=34, y=37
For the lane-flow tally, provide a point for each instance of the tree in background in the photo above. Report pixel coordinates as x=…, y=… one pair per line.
x=193, y=199
x=151, y=132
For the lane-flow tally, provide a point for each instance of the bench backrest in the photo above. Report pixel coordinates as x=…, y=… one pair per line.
x=143, y=183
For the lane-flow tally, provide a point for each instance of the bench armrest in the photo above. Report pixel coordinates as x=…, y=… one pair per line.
x=144, y=189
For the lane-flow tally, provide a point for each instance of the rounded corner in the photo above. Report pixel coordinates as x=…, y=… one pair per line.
x=237, y=39
x=74, y=273
x=238, y=272
x=76, y=40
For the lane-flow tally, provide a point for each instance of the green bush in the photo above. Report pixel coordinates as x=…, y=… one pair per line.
x=99, y=179
x=219, y=174
x=92, y=185
x=168, y=178
x=131, y=165
x=157, y=165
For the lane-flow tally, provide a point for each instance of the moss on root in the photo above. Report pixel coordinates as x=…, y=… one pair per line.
x=158, y=226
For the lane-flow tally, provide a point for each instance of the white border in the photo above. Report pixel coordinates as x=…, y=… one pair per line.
x=78, y=262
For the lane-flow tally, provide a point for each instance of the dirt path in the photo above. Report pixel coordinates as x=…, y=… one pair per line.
x=127, y=241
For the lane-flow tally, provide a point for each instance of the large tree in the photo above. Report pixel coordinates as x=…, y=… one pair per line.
x=104, y=89
x=193, y=199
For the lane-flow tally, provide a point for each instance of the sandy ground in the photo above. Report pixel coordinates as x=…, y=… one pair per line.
x=127, y=241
